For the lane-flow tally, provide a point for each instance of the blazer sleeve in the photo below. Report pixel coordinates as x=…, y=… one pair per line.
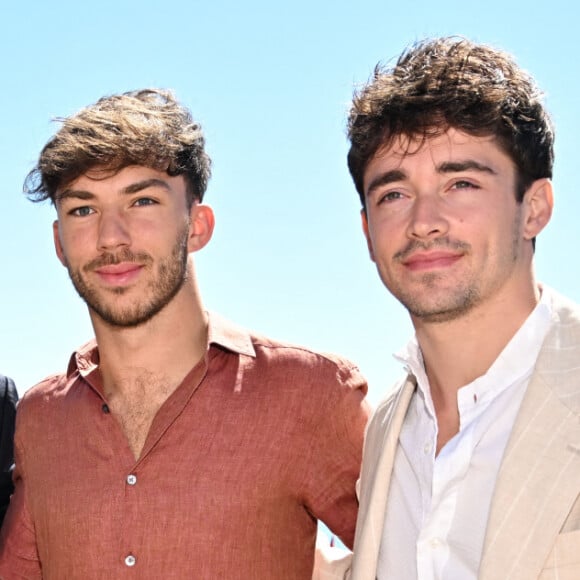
x=8, y=399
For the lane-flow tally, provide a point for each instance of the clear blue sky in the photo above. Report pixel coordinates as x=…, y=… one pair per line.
x=271, y=83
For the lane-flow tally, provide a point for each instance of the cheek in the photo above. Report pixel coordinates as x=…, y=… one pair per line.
x=72, y=246
x=387, y=235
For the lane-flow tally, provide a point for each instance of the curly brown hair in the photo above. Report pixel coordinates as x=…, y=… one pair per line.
x=147, y=127
x=452, y=82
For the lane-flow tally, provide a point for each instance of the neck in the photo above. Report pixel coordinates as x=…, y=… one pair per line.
x=168, y=345
x=458, y=351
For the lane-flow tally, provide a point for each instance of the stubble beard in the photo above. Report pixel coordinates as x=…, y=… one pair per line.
x=171, y=274
x=449, y=303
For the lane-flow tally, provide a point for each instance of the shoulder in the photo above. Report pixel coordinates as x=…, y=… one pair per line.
x=8, y=400
x=381, y=417
x=316, y=391
x=269, y=353
x=557, y=363
x=311, y=366
x=8, y=390
x=565, y=311
x=277, y=349
x=55, y=388
x=41, y=411
x=562, y=304
x=45, y=393
x=379, y=429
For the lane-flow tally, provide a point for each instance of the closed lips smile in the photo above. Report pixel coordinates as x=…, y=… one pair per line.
x=119, y=273
x=431, y=260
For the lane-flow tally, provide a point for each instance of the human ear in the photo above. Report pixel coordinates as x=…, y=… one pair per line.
x=538, y=205
x=57, y=243
x=365, y=227
x=201, y=226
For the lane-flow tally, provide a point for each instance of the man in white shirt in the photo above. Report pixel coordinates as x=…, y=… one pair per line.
x=472, y=466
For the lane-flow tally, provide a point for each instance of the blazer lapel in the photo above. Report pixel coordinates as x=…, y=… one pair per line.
x=379, y=459
x=539, y=479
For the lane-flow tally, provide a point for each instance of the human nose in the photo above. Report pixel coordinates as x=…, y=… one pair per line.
x=113, y=231
x=427, y=218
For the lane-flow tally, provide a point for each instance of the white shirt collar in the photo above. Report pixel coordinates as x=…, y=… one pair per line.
x=515, y=362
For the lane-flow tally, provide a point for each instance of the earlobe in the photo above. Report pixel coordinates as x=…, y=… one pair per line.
x=201, y=227
x=539, y=200
x=365, y=227
x=57, y=244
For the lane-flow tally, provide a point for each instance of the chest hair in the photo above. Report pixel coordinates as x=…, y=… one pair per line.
x=135, y=402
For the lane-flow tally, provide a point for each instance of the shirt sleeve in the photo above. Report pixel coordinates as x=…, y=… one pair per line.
x=18, y=550
x=335, y=459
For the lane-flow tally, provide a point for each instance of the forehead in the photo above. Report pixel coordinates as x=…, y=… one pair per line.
x=447, y=142
x=421, y=153
x=106, y=178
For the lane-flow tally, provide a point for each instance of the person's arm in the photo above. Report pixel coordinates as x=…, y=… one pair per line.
x=18, y=552
x=8, y=399
x=336, y=451
x=343, y=425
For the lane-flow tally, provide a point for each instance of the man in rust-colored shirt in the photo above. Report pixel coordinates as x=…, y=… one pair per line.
x=176, y=445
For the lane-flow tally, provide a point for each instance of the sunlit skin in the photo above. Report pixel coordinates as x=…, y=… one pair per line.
x=124, y=241
x=125, y=238
x=452, y=244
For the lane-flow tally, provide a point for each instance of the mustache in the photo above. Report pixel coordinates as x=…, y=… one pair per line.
x=110, y=259
x=445, y=242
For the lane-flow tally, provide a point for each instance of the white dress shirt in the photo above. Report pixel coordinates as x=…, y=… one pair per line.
x=438, y=507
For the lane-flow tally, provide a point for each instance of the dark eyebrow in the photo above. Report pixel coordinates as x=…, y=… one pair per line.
x=446, y=167
x=130, y=189
x=73, y=193
x=385, y=178
x=468, y=164
x=145, y=184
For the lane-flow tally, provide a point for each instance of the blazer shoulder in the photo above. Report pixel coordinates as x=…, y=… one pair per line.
x=558, y=362
x=383, y=413
x=565, y=311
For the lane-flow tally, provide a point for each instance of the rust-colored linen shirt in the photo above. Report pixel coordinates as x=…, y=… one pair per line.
x=259, y=441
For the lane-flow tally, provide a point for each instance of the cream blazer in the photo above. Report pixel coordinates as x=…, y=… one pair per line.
x=533, y=530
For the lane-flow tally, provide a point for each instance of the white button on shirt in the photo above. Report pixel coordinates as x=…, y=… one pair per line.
x=438, y=507
x=130, y=560
x=131, y=479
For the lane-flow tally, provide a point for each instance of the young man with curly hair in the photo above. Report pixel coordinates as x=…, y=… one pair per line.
x=176, y=445
x=471, y=466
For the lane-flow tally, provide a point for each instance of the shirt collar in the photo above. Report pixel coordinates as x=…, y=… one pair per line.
x=221, y=332
x=516, y=360
x=224, y=333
